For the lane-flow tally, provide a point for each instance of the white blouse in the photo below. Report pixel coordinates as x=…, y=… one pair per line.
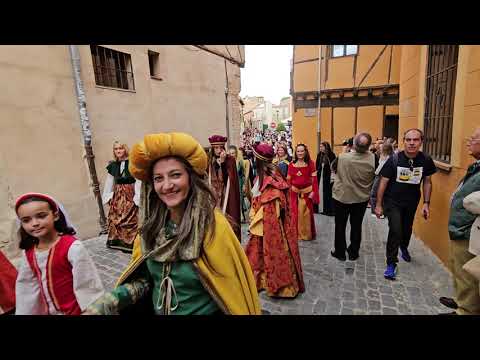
x=108, y=188
x=87, y=284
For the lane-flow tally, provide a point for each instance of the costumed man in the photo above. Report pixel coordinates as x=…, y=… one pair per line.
x=223, y=179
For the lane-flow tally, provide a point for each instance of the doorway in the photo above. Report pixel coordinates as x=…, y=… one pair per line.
x=390, y=127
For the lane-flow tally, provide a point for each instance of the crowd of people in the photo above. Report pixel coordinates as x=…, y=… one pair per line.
x=187, y=256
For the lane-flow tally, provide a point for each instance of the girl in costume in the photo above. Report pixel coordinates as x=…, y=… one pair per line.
x=302, y=176
x=186, y=258
x=324, y=162
x=273, y=247
x=122, y=193
x=57, y=276
x=8, y=276
x=282, y=160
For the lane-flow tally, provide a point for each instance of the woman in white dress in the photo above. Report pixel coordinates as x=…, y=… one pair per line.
x=57, y=275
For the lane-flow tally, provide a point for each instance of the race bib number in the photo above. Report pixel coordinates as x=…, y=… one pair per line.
x=407, y=176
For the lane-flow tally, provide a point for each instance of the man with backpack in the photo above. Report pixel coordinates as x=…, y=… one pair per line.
x=399, y=194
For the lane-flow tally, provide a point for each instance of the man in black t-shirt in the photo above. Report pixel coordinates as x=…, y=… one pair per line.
x=399, y=194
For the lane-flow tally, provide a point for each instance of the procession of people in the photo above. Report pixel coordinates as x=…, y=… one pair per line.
x=179, y=210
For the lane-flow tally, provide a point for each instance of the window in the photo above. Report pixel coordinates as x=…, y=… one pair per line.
x=112, y=68
x=440, y=96
x=153, y=62
x=343, y=50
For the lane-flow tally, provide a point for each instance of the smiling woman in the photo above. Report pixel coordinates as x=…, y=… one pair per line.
x=186, y=259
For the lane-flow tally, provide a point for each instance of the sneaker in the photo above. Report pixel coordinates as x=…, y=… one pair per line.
x=405, y=255
x=391, y=272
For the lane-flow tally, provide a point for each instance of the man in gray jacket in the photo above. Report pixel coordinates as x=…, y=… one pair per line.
x=351, y=192
x=467, y=300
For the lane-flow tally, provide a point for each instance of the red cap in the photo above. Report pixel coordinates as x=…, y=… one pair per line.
x=47, y=198
x=217, y=140
x=263, y=152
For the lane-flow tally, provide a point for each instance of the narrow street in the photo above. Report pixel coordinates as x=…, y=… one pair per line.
x=334, y=287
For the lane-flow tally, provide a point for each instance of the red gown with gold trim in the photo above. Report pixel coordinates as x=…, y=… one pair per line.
x=273, y=250
x=303, y=181
x=8, y=276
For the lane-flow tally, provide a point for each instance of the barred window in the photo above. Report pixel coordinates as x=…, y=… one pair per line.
x=112, y=68
x=343, y=50
x=440, y=95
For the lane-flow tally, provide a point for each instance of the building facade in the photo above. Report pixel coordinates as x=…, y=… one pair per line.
x=340, y=90
x=439, y=93
x=431, y=87
x=129, y=91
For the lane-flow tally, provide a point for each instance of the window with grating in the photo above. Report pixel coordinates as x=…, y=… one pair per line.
x=112, y=68
x=440, y=95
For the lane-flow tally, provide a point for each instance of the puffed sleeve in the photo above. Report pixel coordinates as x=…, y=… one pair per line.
x=87, y=284
x=108, y=189
x=138, y=188
x=28, y=299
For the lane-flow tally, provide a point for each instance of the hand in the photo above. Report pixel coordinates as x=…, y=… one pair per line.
x=426, y=211
x=310, y=196
x=223, y=156
x=378, y=211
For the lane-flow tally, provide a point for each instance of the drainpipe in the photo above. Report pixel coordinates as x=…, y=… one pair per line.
x=86, y=133
x=320, y=50
x=226, y=104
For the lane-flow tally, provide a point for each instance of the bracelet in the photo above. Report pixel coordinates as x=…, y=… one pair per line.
x=426, y=202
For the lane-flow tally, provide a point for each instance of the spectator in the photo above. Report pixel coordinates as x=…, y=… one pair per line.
x=387, y=151
x=467, y=299
x=351, y=191
x=324, y=175
x=402, y=176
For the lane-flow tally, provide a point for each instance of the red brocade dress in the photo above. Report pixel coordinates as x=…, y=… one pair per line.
x=8, y=276
x=303, y=181
x=273, y=247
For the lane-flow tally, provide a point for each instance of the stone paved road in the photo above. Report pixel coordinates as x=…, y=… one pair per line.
x=334, y=287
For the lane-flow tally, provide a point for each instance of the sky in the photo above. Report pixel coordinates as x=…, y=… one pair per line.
x=267, y=71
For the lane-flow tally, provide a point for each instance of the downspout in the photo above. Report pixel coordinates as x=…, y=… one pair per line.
x=320, y=50
x=86, y=133
x=226, y=104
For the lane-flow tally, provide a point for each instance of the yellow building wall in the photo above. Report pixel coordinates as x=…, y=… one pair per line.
x=340, y=73
x=304, y=131
x=343, y=126
x=370, y=120
x=396, y=59
x=434, y=232
x=391, y=110
x=326, y=125
x=305, y=76
x=306, y=52
x=379, y=73
x=409, y=89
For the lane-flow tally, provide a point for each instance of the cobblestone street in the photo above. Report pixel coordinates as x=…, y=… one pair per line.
x=334, y=287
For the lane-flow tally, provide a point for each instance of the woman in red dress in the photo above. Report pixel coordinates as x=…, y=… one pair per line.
x=8, y=276
x=302, y=176
x=273, y=247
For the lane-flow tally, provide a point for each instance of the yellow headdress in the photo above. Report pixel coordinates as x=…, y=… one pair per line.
x=156, y=146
